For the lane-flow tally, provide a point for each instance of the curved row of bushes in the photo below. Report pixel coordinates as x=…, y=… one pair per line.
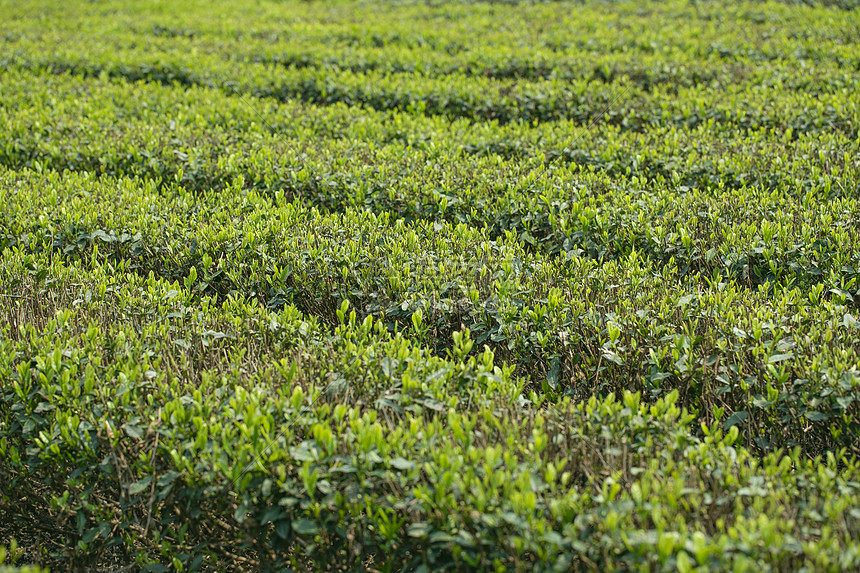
x=152, y=435
x=781, y=358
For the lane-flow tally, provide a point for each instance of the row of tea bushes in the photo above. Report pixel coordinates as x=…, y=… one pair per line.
x=206, y=126
x=753, y=233
x=514, y=42
x=477, y=99
x=41, y=110
x=782, y=78
x=779, y=359
x=136, y=405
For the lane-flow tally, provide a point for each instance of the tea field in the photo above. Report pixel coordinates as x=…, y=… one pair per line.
x=430, y=286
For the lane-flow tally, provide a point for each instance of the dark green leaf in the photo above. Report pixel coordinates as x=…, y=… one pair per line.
x=140, y=485
x=552, y=373
x=133, y=431
x=735, y=419
x=305, y=527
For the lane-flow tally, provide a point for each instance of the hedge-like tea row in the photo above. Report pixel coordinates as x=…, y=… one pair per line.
x=782, y=358
x=480, y=99
x=206, y=127
x=522, y=42
x=141, y=407
x=757, y=233
x=797, y=95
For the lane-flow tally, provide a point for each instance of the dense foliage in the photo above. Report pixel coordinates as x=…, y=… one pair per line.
x=420, y=286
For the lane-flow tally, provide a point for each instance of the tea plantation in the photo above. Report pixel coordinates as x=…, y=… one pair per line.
x=430, y=286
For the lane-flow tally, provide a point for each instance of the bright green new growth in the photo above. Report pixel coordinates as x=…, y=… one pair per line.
x=454, y=286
